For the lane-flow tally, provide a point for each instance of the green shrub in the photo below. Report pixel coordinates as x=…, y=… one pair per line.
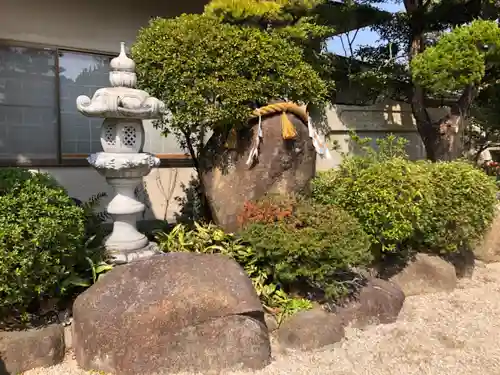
x=306, y=245
x=387, y=197
x=92, y=258
x=404, y=205
x=41, y=231
x=287, y=246
x=212, y=74
x=463, y=208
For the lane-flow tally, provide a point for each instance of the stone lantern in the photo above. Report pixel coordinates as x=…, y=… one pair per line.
x=122, y=161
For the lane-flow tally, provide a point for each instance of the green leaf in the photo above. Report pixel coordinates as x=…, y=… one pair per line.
x=103, y=267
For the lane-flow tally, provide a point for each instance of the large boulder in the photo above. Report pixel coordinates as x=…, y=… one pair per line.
x=21, y=351
x=284, y=166
x=171, y=313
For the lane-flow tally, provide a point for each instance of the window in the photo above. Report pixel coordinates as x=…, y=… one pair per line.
x=80, y=74
x=28, y=105
x=39, y=122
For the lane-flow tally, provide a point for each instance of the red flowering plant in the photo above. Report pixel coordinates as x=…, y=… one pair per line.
x=266, y=211
x=307, y=250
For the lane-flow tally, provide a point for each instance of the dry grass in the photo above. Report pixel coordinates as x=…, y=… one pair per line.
x=437, y=334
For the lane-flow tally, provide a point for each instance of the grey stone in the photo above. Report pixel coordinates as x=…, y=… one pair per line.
x=311, y=329
x=271, y=322
x=21, y=351
x=171, y=313
x=378, y=302
x=426, y=274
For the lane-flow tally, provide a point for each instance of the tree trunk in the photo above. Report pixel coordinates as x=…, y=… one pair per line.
x=207, y=212
x=443, y=138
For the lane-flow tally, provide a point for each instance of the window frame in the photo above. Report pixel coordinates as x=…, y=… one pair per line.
x=169, y=160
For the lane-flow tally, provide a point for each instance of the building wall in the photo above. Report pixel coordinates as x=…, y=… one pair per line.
x=159, y=188
x=90, y=24
x=373, y=121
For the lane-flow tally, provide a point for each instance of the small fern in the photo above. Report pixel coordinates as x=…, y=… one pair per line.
x=92, y=204
x=94, y=218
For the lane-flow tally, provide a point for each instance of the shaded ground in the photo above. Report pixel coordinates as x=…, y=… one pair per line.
x=436, y=334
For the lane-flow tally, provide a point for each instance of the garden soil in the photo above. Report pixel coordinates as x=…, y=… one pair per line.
x=454, y=333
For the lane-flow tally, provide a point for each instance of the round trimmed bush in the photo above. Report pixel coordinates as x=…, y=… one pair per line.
x=462, y=210
x=41, y=231
x=305, y=243
x=211, y=73
x=388, y=198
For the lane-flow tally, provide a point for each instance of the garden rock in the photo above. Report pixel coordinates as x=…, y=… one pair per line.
x=426, y=274
x=378, y=302
x=489, y=250
x=21, y=351
x=311, y=329
x=464, y=262
x=284, y=166
x=171, y=313
x=271, y=322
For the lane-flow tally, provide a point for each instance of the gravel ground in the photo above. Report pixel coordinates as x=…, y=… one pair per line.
x=436, y=334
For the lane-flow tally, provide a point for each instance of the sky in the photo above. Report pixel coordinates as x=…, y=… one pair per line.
x=364, y=36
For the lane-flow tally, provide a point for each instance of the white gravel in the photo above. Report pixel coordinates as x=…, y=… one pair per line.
x=437, y=334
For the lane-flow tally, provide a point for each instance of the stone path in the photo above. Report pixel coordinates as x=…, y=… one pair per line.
x=436, y=334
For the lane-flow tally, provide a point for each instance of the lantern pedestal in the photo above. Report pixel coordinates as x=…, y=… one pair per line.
x=124, y=172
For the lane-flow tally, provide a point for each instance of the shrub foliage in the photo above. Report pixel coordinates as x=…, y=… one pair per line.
x=386, y=197
x=463, y=208
x=213, y=74
x=438, y=207
x=41, y=231
x=307, y=245
x=288, y=247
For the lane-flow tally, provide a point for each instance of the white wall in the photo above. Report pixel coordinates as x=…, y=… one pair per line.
x=389, y=116
x=162, y=185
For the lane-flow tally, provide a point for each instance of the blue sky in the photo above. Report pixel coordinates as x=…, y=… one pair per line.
x=365, y=36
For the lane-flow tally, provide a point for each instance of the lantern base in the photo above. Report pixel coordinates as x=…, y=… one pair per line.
x=127, y=256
